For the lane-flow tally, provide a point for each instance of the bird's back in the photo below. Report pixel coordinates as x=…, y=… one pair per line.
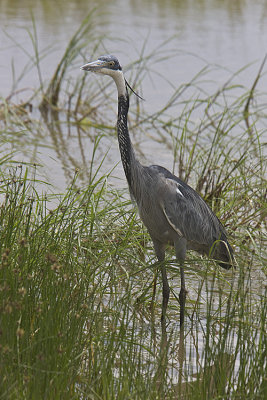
x=172, y=210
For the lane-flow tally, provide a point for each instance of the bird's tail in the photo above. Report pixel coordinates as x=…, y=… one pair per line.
x=223, y=253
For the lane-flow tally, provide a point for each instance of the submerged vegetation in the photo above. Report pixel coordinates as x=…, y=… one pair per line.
x=78, y=319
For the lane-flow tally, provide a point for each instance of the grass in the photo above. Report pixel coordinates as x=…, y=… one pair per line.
x=77, y=270
x=73, y=323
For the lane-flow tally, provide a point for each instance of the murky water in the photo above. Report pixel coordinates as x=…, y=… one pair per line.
x=231, y=34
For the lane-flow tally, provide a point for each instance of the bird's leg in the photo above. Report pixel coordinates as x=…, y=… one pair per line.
x=181, y=359
x=160, y=252
x=154, y=284
x=180, y=250
x=165, y=291
x=182, y=297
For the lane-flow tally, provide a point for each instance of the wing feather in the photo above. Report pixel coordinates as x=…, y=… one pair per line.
x=188, y=215
x=187, y=212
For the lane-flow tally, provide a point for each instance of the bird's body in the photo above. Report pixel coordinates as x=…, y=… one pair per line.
x=177, y=215
x=171, y=210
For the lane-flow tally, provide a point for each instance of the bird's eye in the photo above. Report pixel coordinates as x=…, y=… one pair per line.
x=111, y=63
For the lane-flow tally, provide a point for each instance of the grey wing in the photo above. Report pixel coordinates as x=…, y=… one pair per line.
x=188, y=214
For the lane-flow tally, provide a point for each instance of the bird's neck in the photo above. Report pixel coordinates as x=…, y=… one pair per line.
x=131, y=166
x=127, y=152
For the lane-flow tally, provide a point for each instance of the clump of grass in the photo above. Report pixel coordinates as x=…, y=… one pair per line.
x=73, y=322
x=49, y=287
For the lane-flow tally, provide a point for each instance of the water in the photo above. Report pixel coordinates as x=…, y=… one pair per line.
x=231, y=34
x=197, y=33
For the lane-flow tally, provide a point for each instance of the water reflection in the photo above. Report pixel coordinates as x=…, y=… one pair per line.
x=207, y=353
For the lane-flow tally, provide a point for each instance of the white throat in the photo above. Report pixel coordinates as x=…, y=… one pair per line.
x=119, y=80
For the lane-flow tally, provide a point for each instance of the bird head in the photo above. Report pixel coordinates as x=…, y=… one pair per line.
x=107, y=65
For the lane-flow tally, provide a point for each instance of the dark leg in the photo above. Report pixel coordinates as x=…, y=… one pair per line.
x=182, y=297
x=160, y=252
x=181, y=359
x=152, y=305
x=180, y=250
x=165, y=292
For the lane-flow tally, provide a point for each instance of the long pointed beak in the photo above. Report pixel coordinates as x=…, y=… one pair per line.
x=94, y=66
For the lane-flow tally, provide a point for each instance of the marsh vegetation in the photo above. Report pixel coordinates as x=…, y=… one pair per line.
x=77, y=268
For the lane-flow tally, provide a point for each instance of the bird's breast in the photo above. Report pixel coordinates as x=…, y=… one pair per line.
x=156, y=224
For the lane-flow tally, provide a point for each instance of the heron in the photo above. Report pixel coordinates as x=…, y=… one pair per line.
x=172, y=211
